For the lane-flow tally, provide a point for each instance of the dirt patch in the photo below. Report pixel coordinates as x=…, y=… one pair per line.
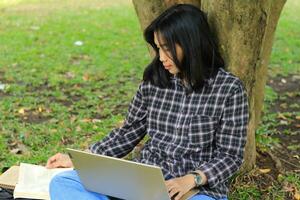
x=34, y=116
x=3, y=94
x=283, y=157
x=78, y=59
x=68, y=91
x=287, y=123
x=283, y=84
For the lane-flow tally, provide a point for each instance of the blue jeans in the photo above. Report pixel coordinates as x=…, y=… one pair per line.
x=67, y=186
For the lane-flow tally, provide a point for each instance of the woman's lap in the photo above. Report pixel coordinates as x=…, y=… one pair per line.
x=66, y=185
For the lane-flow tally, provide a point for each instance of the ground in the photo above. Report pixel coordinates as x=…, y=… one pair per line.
x=276, y=175
x=67, y=78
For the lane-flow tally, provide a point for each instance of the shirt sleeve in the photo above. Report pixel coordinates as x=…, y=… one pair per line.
x=122, y=140
x=230, y=139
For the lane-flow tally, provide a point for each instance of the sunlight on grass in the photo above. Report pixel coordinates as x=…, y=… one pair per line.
x=286, y=47
x=9, y=2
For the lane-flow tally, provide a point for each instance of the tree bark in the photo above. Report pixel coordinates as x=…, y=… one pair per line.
x=244, y=30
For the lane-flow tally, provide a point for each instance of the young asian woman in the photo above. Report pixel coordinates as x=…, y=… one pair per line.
x=194, y=112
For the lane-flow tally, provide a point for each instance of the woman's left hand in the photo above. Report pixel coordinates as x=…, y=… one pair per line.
x=180, y=186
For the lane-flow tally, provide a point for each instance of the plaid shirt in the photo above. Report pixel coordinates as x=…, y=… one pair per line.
x=199, y=131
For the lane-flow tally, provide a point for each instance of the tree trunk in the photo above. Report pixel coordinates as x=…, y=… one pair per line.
x=245, y=31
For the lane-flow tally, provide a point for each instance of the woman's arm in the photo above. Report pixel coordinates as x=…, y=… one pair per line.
x=122, y=140
x=230, y=143
x=230, y=139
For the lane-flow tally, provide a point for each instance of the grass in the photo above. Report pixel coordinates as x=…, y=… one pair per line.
x=58, y=94
x=286, y=48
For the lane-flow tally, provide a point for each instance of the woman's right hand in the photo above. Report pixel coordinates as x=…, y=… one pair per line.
x=59, y=160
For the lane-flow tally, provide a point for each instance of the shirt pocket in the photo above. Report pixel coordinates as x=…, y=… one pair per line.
x=201, y=131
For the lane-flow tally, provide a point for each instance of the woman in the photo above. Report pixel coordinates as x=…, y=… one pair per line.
x=194, y=112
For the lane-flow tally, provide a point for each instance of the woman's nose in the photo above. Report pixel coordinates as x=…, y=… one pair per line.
x=162, y=56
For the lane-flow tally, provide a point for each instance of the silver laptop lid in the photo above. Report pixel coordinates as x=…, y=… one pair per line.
x=119, y=178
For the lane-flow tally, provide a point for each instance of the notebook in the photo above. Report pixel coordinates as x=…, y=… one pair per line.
x=121, y=178
x=9, y=178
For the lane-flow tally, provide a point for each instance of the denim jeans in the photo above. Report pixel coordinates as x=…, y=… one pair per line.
x=67, y=186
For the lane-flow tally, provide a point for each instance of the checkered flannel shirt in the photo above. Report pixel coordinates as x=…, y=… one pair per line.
x=199, y=131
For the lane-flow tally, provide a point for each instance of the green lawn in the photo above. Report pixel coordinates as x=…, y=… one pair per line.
x=285, y=57
x=70, y=69
x=60, y=94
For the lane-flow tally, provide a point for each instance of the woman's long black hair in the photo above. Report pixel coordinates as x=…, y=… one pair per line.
x=187, y=26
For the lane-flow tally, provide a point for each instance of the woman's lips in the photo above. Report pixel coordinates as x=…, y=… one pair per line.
x=167, y=66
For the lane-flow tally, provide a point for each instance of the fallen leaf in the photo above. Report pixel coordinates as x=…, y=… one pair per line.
x=295, y=77
x=86, y=57
x=21, y=111
x=78, y=128
x=73, y=118
x=48, y=110
x=13, y=144
x=281, y=116
x=53, y=130
x=264, y=171
x=283, y=105
x=291, y=94
x=298, y=117
x=297, y=196
x=283, y=122
x=95, y=127
x=86, y=120
x=96, y=120
x=40, y=109
x=69, y=75
x=296, y=156
x=86, y=77
x=288, y=188
x=120, y=123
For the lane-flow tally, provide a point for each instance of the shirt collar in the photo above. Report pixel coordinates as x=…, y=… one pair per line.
x=179, y=81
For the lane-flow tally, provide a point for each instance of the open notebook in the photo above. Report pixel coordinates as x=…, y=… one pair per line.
x=33, y=181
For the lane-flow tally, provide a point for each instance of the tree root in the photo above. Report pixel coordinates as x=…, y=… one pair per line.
x=277, y=161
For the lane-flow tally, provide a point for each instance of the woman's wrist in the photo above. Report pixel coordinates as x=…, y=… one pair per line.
x=203, y=177
x=190, y=180
x=198, y=178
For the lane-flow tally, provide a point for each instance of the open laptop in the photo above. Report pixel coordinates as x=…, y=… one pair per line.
x=121, y=178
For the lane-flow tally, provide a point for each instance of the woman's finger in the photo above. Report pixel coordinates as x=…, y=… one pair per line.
x=50, y=162
x=179, y=195
x=173, y=192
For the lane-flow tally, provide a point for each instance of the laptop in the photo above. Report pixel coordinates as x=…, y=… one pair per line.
x=120, y=178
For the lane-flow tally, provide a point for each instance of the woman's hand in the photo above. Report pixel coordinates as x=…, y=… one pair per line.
x=180, y=186
x=59, y=160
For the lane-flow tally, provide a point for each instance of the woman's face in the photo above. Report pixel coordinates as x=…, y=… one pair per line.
x=165, y=55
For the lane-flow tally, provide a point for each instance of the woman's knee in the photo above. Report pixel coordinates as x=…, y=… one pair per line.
x=63, y=178
x=203, y=197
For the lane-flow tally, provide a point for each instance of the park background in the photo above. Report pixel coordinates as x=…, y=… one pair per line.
x=69, y=69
